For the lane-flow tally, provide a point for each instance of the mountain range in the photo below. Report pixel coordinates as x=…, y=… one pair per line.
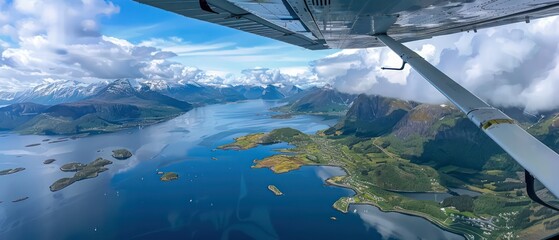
x=53, y=92
x=70, y=107
x=66, y=91
x=118, y=105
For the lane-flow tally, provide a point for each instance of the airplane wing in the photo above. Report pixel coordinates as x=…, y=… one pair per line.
x=340, y=24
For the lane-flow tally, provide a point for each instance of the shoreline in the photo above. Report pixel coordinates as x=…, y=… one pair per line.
x=439, y=223
x=402, y=211
x=355, y=192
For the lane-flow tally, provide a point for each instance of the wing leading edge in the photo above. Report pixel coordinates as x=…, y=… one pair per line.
x=274, y=19
x=322, y=24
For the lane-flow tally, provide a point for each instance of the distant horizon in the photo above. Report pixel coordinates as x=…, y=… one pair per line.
x=137, y=84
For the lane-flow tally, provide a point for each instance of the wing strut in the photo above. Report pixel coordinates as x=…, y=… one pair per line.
x=538, y=159
x=531, y=190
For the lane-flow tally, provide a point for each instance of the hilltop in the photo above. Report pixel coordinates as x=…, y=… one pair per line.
x=325, y=100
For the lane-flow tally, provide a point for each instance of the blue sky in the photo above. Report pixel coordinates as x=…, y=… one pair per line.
x=138, y=23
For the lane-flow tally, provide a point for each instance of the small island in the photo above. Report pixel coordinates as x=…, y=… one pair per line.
x=283, y=116
x=49, y=161
x=169, y=176
x=33, y=145
x=83, y=171
x=121, y=154
x=11, y=171
x=275, y=190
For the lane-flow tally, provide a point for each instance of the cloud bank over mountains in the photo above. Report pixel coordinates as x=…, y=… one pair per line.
x=515, y=65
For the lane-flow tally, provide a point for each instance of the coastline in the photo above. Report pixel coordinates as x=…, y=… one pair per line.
x=401, y=210
x=342, y=204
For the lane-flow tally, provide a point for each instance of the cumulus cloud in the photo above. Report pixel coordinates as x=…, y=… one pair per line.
x=62, y=40
x=515, y=65
x=264, y=76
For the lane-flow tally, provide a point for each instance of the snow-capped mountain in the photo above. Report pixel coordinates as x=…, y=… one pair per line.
x=290, y=90
x=189, y=90
x=162, y=85
x=271, y=92
x=7, y=97
x=118, y=88
x=55, y=92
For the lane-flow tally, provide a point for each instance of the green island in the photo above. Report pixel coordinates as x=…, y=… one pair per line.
x=11, y=171
x=244, y=142
x=275, y=190
x=121, y=154
x=83, y=171
x=49, y=161
x=377, y=171
x=169, y=176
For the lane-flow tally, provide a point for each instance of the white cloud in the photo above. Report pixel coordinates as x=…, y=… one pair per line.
x=264, y=76
x=514, y=65
x=182, y=48
x=61, y=40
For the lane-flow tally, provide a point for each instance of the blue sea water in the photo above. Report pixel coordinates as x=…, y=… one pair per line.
x=212, y=199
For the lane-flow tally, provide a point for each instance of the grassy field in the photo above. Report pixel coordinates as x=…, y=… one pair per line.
x=244, y=142
x=282, y=163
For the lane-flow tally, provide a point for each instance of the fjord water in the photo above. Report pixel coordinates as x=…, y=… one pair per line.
x=212, y=199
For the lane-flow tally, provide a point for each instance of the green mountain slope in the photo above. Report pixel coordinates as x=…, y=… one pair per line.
x=371, y=116
x=17, y=114
x=319, y=101
x=116, y=107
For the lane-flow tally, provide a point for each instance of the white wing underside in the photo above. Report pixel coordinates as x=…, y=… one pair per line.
x=340, y=24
